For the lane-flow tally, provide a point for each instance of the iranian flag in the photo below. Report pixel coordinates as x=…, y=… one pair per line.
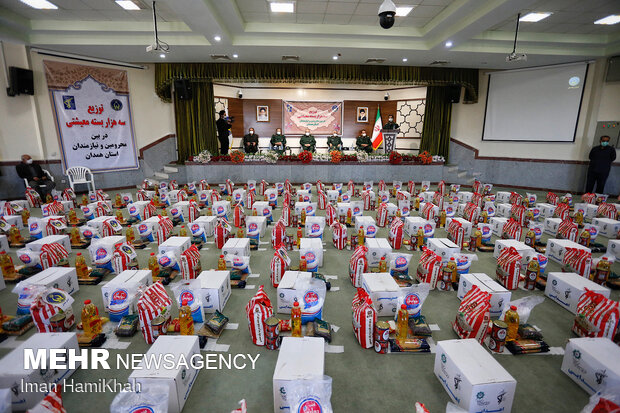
x=377, y=135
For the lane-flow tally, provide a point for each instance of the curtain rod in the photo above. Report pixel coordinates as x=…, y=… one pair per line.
x=86, y=58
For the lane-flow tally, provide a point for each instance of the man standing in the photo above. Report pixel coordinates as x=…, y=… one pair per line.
x=250, y=142
x=223, y=130
x=37, y=179
x=601, y=158
x=363, y=143
x=278, y=142
x=334, y=142
x=391, y=124
x=307, y=142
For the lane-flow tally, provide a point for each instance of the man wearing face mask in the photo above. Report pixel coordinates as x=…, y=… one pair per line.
x=307, y=142
x=334, y=142
x=250, y=142
x=35, y=176
x=278, y=141
x=363, y=143
x=390, y=124
x=601, y=158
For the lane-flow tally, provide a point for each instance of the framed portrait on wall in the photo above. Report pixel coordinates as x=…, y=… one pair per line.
x=362, y=114
x=262, y=113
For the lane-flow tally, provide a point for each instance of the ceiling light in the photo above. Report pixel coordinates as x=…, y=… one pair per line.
x=404, y=59
x=217, y=38
x=611, y=19
x=235, y=55
x=40, y=4
x=162, y=55
x=335, y=57
x=402, y=11
x=127, y=4
x=448, y=43
x=288, y=7
x=534, y=17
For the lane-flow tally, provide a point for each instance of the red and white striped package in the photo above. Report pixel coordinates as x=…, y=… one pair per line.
x=320, y=186
x=182, y=195
x=279, y=265
x=589, y=198
x=238, y=216
x=400, y=196
x=286, y=215
x=600, y=314
x=258, y=310
x=52, y=254
x=230, y=186
x=512, y=230
x=110, y=227
x=331, y=215
x=190, y=263
x=351, y=187
x=366, y=198
x=153, y=302
x=438, y=199
x=53, y=208
x=122, y=257
x=222, y=233
x=193, y=210
x=278, y=234
x=215, y=197
x=69, y=195
x=429, y=267
x=577, y=260
x=146, y=184
x=262, y=187
x=411, y=187
x=477, y=186
x=471, y=212
x=101, y=196
x=515, y=198
x=509, y=268
x=339, y=235
x=150, y=210
x=382, y=186
x=476, y=199
x=56, y=226
x=250, y=196
x=142, y=195
x=456, y=233
x=428, y=211
x=518, y=212
x=48, y=303
x=165, y=229
x=567, y=229
x=33, y=197
x=472, y=317
x=173, y=185
x=203, y=185
x=441, y=187
x=395, y=237
x=606, y=210
x=322, y=200
x=382, y=214
x=358, y=265
x=562, y=211
x=287, y=185
x=51, y=403
x=287, y=199
x=14, y=209
x=552, y=198
x=364, y=318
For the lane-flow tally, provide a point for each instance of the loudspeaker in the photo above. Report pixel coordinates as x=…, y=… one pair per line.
x=453, y=93
x=20, y=82
x=183, y=89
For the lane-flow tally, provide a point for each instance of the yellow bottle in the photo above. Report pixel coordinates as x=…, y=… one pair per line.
x=15, y=237
x=442, y=218
x=118, y=202
x=398, y=214
x=73, y=217
x=164, y=213
x=339, y=198
x=360, y=236
x=303, y=216
x=49, y=199
x=130, y=235
x=296, y=320
x=254, y=212
x=183, y=231
x=84, y=200
x=156, y=200
x=221, y=263
x=74, y=237
x=451, y=266
x=416, y=203
x=512, y=319
x=383, y=265
x=579, y=218
x=185, y=320
x=80, y=266
x=209, y=211
x=299, y=237
x=485, y=217
x=240, y=232
x=602, y=271
x=6, y=263
x=402, y=326
x=303, y=264
x=419, y=238
x=119, y=216
x=153, y=265
x=91, y=322
x=25, y=216
x=584, y=238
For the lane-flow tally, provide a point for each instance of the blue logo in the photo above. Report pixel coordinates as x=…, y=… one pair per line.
x=116, y=104
x=68, y=102
x=55, y=298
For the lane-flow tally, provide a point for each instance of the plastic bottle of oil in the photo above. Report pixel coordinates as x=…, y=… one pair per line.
x=296, y=320
x=442, y=218
x=73, y=217
x=512, y=320
x=360, y=236
x=402, y=326
x=383, y=265
x=153, y=265
x=118, y=202
x=299, y=237
x=186, y=321
x=6, y=263
x=80, y=266
x=15, y=237
x=130, y=235
x=349, y=216
x=91, y=322
x=183, y=231
x=25, y=216
x=119, y=216
x=303, y=217
x=603, y=268
x=531, y=274
x=221, y=263
x=303, y=264
x=84, y=200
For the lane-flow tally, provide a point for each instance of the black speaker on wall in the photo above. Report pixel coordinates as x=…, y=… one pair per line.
x=20, y=82
x=183, y=89
x=453, y=93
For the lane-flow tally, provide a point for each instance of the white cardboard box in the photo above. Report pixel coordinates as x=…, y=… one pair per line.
x=427, y=196
x=332, y=195
x=107, y=243
x=412, y=224
x=503, y=210
x=464, y=196
x=391, y=209
x=502, y=197
x=377, y=248
x=295, y=286
x=384, y=292
x=260, y=221
x=310, y=208
x=588, y=210
x=214, y=290
x=497, y=225
x=343, y=207
x=551, y=226
x=310, y=222
x=63, y=278
x=61, y=239
x=607, y=227
x=557, y=247
x=370, y=226
x=443, y=247
x=592, y=363
x=313, y=246
x=500, y=296
x=180, y=210
x=237, y=246
x=299, y=358
x=176, y=245
x=613, y=248
x=179, y=380
x=565, y=288
x=465, y=223
x=521, y=248
x=546, y=210
x=4, y=243
x=207, y=223
x=473, y=378
x=305, y=194
x=221, y=208
x=12, y=371
x=14, y=220
x=125, y=284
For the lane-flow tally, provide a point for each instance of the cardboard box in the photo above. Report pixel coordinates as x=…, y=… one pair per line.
x=412, y=224
x=427, y=196
x=343, y=207
x=357, y=208
x=298, y=358
x=237, y=246
x=503, y=210
x=592, y=363
x=261, y=222
x=502, y=197
x=500, y=296
x=521, y=248
x=12, y=372
x=464, y=196
x=551, y=226
x=60, y=239
x=4, y=243
x=221, y=208
x=497, y=225
x=311, y=229
x=238, y=195
x=557, y=247
x=384, y=292
x=368, y=223
x=546, y=210
x=443, y=247
x=465, y=223
x=473, y=378
x=383, y=196
x=207, y=223
x=176, y=245
x=314, y=246
x=179, y=380
x=565, y=288
x=310, y=208
x=307, y=291
x=104, y=247
x=377, y=248
x=607, y=227
x=588, y=210
x=391, y=209
x=214, y=290
x=63, y=278
x=305, y=194
x=613, y=248
x=180, y=210
x=14, y=220
x=125, y=284
x=332, y=195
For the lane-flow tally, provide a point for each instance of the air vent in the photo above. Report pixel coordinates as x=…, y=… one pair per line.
x=290, y=58
x=220, y=57
x=439, y=62
x=375, y=60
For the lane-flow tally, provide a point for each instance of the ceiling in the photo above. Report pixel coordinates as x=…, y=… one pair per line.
x=482, y=31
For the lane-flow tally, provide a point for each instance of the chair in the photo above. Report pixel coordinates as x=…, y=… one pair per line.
x=46, y=172
x=80, y=175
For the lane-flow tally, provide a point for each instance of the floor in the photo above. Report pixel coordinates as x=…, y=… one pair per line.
x=362, y=380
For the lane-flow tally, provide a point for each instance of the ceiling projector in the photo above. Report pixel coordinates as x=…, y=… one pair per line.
x=152, y=48
x=515, y=57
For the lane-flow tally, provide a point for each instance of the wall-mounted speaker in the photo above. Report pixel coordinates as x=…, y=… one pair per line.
x=183, y=89
x=453, y=93
x=20, y=82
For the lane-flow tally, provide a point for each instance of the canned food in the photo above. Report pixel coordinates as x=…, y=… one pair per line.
x=382, y=331
x=273, y=343
x=285, y=325
x=272, y=327
x=381, y=347
x=497, y=339
x=57, y=322
x=159, y=326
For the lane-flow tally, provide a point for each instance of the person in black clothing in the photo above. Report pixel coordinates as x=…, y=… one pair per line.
x=223, y=130
x=250, y=142
x=601, y=158
x=390, y=124
x=37, y=179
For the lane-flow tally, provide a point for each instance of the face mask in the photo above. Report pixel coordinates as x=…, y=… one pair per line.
x=29, y=161
x=307, y=133
x=602, y=144
x=363, y=134
x=391, y=119
x=335, y=134
x=278, y=133
x=251, y=132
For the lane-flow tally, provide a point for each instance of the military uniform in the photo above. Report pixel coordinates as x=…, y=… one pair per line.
x=360, y=140
x=278, y=140
x=390, y=125
x=334, y=143
x=247, y=143
x=307, y=140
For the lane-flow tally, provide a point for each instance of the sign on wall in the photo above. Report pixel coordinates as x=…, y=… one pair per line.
x=92, y=112
x=322, y=118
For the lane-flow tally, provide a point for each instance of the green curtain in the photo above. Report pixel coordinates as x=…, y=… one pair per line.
x=166, y=73
x=437, y=117
x=195, y=122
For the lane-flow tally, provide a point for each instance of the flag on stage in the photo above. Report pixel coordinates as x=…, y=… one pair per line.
x=377, y=135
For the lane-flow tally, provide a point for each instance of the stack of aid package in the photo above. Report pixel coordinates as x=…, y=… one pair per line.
x=429, y=267
x=279, y=265
x=509, y=268
x=48, y=303
x=395, y=237
x=577, y=260
x=339, y=235
x=567, y=229
x=597, y=316
x=364, y=318
x=278, y=234
x=456, y=233
x=153, y=302
x=512, y=230
x=258, y=310
x=358, y=265
x=472, y=317
x=470, y=213
x=382, y=214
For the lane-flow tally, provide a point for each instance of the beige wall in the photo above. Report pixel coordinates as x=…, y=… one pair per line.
x=610, y=102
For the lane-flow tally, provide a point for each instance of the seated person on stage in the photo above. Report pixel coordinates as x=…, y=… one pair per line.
x=307, y=142
x=363, y=143
x=390, y=124
x=278, y=142
x=37, y=179
x=250, y=142
x=334, y=142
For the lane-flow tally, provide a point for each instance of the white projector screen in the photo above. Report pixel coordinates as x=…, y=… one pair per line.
x=539, y=105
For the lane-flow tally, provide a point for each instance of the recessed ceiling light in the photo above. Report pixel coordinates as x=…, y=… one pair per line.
x=448, y=43
x=162, y=55
x=217, y=38
x=235, y=55
x=404, y=59
x=127, y=4
x=534, y=17
x=609, y=20
x=40, y=4
x=335, y=57
x=402, y=11
x=288, y=7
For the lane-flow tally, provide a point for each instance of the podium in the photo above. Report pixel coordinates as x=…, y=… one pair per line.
x=389, y=139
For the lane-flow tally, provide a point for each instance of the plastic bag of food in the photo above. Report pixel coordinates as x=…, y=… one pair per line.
x=152, y=398
x=398, y=263
x=607, y=400
x=190, y=291
x=310, y=394
x=413, y=297
x=524, y=307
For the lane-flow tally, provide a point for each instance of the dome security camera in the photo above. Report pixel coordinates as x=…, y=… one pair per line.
x=240, y=94
x=387, y=11
x=387, y=96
